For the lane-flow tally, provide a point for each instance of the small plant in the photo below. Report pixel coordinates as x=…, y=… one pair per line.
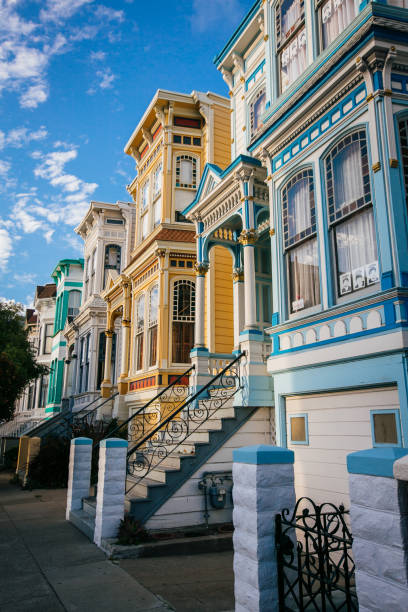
x=132, y=532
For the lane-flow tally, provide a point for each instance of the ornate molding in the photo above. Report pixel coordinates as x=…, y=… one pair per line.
x=237, y=275
x=248, y=237
x=201, y=268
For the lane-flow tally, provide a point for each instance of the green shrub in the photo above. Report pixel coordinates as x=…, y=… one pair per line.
x=132, y=532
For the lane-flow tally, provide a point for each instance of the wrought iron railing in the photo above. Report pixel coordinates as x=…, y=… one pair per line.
x=314, y=555
x=86, y=419
x=175, y=429
x=145, y=418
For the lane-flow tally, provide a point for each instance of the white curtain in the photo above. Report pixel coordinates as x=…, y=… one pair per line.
x=304, y=276
x=356, y=243
x=259, y=109
x=186, y=172
x=140, y=312
x=299, y=207
x=293, y=60
x=145, y=195
x=348, y=175
x=336, y=15
x=74, y=299
x=145, y=228
x=289, y=15
x=154, y=302
x=157, y=180
x=157, y=212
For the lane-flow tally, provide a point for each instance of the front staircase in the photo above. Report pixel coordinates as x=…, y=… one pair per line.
x=170, y=456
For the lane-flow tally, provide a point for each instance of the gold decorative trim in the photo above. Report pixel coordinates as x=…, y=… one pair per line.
x=232, y=140
x=108, y=333
x=242, y=79
x=388, y=93
x=230, y=94
x=201, y=269
x=269, y=177
x=376, y=167
x=244, y=128
x=242, y=97
x=394, y=163
x=248, y=237
x=237, y=275
x=369, y=97
x=272, y=232
x=266, y=37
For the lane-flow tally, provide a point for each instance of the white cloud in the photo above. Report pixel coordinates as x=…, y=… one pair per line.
x=75, y=243
x=6, y=248
x=4, y=168
x=35, y=95
x=97, y=56
x=21, y=136
x=25, y=277
x=207, y=15
x=60, y=10
x=109, y=14
x=105, y=80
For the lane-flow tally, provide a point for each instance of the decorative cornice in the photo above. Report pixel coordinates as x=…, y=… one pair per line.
x=248, y=237
x=237, y=275
x=201, y=268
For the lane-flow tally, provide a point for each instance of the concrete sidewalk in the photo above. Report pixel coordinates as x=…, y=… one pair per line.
x=47, y=565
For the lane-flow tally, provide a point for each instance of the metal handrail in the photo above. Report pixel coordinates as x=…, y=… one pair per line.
x=108, y=399
x=143, y=408
x=87, y=406
x=184, y=404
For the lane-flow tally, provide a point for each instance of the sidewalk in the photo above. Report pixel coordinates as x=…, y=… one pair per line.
x=47, y=565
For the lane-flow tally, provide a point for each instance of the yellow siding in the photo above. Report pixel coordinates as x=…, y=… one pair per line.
x=223, y=306
x=222, y=136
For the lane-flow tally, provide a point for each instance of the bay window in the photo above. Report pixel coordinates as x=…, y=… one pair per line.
x=183, y=320
x=157, y=189
x=351, y=217
x=335, y=16
x=300, y=242
x=144, y=210
x=140, y=318
x=153, y=316
x=291, y=41
x=74, y=302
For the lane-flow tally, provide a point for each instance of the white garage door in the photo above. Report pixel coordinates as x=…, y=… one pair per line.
x=336, y=424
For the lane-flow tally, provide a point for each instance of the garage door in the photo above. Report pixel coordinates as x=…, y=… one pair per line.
x=330, y=426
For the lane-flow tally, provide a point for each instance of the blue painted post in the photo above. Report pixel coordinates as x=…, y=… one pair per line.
x=79, y=477
x=110, y=497
x=263, y=487
x=379, y=523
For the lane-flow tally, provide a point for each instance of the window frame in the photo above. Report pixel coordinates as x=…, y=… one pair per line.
x=291, y=243
x=151, y=325
x=195, y=172
x=106, y=266
x=283, y=42
x=51, y=326
x=139, y=336
x=253, y=100
x=175, y=283
x=337, y=217
x=299, y=442
x=397, y=414
x=318, y=5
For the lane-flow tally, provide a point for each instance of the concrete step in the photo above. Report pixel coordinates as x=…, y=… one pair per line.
x=83, y=522
x=141, y=489
x=89, y=506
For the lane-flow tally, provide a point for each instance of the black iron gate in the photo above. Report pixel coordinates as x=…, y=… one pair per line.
x=315, y=564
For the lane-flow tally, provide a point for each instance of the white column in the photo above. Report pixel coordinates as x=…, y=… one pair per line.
x=263, y=487
x=201, y=270
x=79, y=477
x=110, y=498
x=107, y=377
x=379, y=525
x=248, y=239
x=238, y=298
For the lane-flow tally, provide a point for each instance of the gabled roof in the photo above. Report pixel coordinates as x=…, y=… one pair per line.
x=46, y=291
x=214, y=172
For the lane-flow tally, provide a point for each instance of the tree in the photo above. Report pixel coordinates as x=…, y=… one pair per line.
x=17, y=362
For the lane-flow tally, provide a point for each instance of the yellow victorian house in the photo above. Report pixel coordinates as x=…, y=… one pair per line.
x=155, y=294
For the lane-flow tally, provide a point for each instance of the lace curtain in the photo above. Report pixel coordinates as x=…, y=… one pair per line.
x=299, y=207
x=290, y=14
x=347, y=170
x=293, y=60
x=304, y=276
x=336, y=15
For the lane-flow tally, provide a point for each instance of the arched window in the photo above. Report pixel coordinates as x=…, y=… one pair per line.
x=74, y=302
x=186, y=172
x=140, y=320
x=257, y=111
x=153, y=316
x=403, y=133
x=335, y=16
x=300, y=242
x=351, y=217
x=291, y=40
x=112, y=260
x=183, y=320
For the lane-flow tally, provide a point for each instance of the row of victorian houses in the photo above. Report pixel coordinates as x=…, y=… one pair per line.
x=272, y=222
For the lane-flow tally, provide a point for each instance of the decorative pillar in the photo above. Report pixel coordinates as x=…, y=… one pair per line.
x=263, y=486
x=106, y=386
x=238, y=299
x=110, y=497
x=379, y=525
x=122, y=382
x=201, y=270
x=248, y=239
x=79, y=475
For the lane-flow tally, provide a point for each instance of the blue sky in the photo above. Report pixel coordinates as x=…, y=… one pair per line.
x=75, y=78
